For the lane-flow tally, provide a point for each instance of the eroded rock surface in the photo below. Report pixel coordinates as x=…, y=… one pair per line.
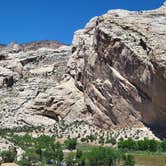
x=26, y=72
x=119, y=62
x=115, y=78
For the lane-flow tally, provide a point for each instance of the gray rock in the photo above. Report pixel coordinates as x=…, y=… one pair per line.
x=26, y=72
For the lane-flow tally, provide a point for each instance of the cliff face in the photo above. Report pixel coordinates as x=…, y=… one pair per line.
x=119, y=63
x=115, y=76
x=26, y=72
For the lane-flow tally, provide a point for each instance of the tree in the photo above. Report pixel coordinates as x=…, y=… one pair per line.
x=101, y=156
x=129, y=160
x=28, y=158
x=57, y=153
x=79, y=154
x=101, y=140
x=8, y=156
x=153, y=145
x=70, y=160
x=129, y=144
x=163, y=145
x=71, y=143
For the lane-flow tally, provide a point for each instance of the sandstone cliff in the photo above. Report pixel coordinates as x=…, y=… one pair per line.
x=119, y=62
x=113, y=76
x=35, y=89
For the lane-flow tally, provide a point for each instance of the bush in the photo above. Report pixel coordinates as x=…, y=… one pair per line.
x=71, y=143
x=142, y=145
x=8, y=156
x=129, y=144
x=70, y=160
x=102, y=157
x=129, y=160
x=83, y=139
x=163, y=145
x=101, y=140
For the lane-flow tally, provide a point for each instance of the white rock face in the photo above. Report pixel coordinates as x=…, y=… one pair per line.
x=5, y=144
x=115, y=78
x=26, y=74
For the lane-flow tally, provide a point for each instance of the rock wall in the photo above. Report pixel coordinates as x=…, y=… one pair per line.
x=119, y=63
x=115, y=76
x=26, y=72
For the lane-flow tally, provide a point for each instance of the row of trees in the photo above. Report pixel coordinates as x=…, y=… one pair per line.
x=44, y=150
x=100, y=156
x=143, y=145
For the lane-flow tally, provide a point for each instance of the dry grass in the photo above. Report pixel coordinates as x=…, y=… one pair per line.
x=9, y=164
x=150, y=160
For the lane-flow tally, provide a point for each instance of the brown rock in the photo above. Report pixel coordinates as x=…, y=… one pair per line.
x=119, y=62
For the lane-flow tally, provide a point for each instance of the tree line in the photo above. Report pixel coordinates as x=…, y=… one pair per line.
x=142, y=145
x=44, y=150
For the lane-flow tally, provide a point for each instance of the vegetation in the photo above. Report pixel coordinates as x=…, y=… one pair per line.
x=71, y=143
x=99, y=156
x=45, y=150
x=8, y=156
x=42, y=149
x=129, y=160
x=142, y=145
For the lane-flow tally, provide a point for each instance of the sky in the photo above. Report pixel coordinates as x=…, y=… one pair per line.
x=31, y=20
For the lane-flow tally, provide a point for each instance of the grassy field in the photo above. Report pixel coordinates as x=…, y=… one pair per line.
x=141, y=158
x=150, y=160
x=85, y=146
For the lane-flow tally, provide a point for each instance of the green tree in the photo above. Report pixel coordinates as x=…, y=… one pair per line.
x=129, y=160
x=163, y=145
x=101, y=157
x=57, y=153
x=8, y=156
x=29, y=158
x=71, y=143
x=70, y=159
x=129, y=144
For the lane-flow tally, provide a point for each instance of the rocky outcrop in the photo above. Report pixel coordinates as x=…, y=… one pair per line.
x=119, y=63
x=63, y=102
x=116, y=76
x=26, y=73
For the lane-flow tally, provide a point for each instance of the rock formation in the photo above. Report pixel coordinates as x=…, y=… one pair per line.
x=114, y=78
x=119, y=62
x=26, y=72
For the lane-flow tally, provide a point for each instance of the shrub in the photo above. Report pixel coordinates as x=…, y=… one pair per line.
x=70, y=160
x=83, y=139
x=129, y=144
x=101, y=157
x=163, y=145
x=129, y=160
x=71, y=143
x=142, y=145
x=8, y=156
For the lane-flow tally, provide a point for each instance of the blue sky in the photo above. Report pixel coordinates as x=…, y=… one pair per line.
x=30, y=20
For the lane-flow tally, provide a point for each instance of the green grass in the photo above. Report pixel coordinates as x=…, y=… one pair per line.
x=142, y=158
x=85, y=146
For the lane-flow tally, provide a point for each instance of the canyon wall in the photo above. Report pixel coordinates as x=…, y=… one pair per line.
x=119, y=63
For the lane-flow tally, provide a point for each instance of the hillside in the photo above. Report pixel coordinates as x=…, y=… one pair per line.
x=112, y=77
